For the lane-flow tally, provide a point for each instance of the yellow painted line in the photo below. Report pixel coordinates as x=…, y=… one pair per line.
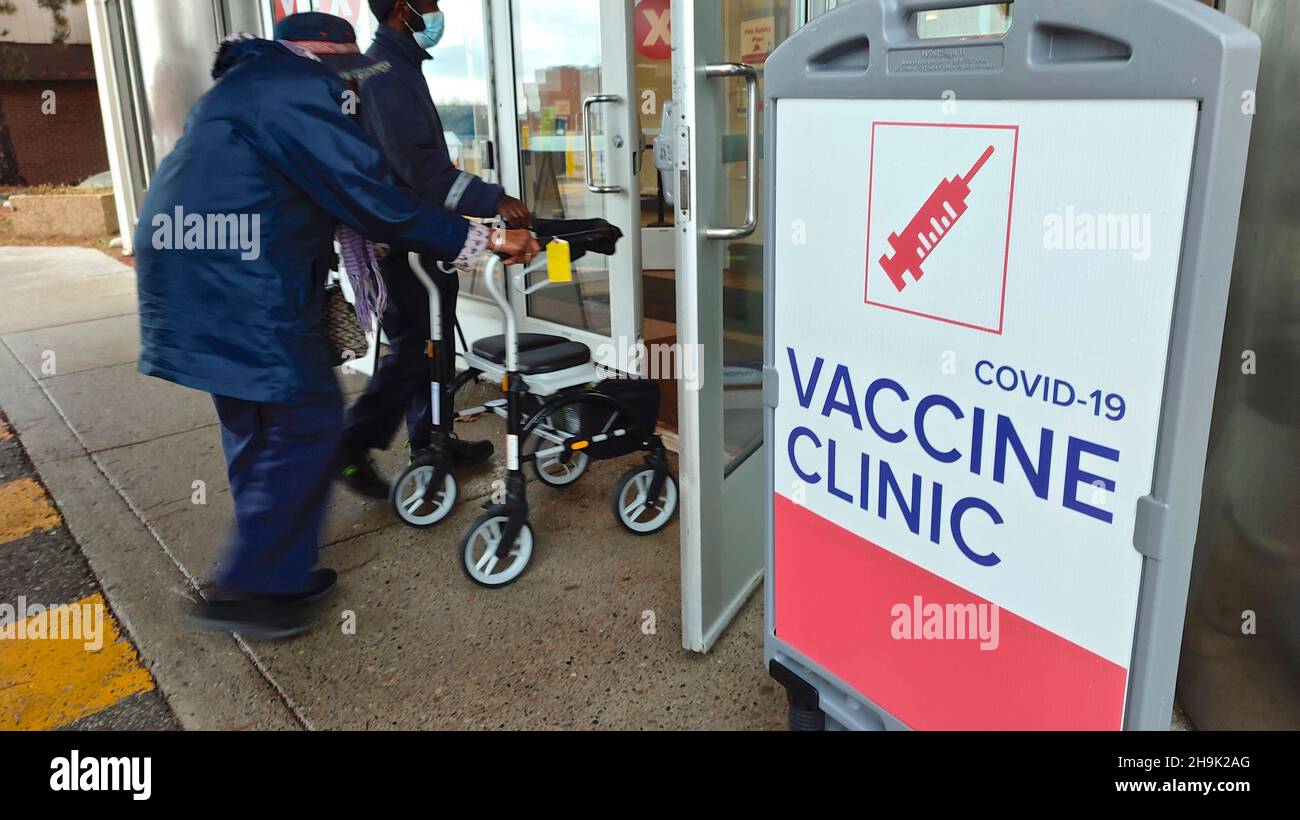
x=48, y=681
x=24, y=509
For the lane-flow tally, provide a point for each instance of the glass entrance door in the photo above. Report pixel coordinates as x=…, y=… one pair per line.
x=569, y=141
x=720, y=49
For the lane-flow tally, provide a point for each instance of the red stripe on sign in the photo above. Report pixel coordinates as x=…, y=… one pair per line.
x=852, y=607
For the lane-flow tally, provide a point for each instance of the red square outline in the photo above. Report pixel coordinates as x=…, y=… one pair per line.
x=1006, y=257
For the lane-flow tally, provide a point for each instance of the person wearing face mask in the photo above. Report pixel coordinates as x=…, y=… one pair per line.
x=398, y=112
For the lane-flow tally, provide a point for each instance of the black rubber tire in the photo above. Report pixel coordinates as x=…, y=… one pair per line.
x=619, y=486
x=542, y=477
x=468, y=536
x=533, y=443
x=394, y=505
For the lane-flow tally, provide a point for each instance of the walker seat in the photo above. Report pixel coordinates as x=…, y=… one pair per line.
x=538, y=353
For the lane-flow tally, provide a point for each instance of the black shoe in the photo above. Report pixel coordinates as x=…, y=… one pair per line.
x=261, y=617
x=359, y=475
x=470, y=453
x=320, y=583
x=463, y=453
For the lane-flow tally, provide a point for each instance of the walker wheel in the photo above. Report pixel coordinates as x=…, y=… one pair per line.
x=557, y=473
x=632, y=501
x=478, y=550
x=407, y=497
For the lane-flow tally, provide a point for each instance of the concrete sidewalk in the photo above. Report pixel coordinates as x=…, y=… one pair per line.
x=127, y=457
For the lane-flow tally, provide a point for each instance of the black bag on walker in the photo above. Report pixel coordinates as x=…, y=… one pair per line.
x=641, y=397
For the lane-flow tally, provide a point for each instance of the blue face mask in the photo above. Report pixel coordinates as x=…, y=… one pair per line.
x=434, y=26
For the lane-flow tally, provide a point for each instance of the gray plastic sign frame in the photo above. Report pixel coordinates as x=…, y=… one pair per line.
x=1058, y=50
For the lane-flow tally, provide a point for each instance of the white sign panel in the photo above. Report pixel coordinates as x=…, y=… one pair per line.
x=973, y=303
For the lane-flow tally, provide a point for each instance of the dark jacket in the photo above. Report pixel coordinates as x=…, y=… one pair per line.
x=398, y=112
x=271, y=146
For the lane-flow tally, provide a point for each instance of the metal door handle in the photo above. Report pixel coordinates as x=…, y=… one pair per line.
x=750, y=75
x=587, y=123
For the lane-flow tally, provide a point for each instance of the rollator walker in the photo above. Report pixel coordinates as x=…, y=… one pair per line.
x=561, y=412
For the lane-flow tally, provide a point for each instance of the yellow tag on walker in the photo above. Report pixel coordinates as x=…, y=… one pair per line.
x=559, y=264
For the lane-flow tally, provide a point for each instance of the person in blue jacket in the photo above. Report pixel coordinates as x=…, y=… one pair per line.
x=398, y=111
x=232, y=250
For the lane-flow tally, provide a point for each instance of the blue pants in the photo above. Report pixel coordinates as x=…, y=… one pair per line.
x=279, y=459
x=400, y=386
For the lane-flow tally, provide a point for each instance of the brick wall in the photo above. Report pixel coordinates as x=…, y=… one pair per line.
x=60, y=148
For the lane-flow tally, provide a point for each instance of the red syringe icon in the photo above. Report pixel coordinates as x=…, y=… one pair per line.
x=931, y=224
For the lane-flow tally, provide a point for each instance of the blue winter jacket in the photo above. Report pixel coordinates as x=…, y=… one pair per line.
x=398, y=112
x=235, y=234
